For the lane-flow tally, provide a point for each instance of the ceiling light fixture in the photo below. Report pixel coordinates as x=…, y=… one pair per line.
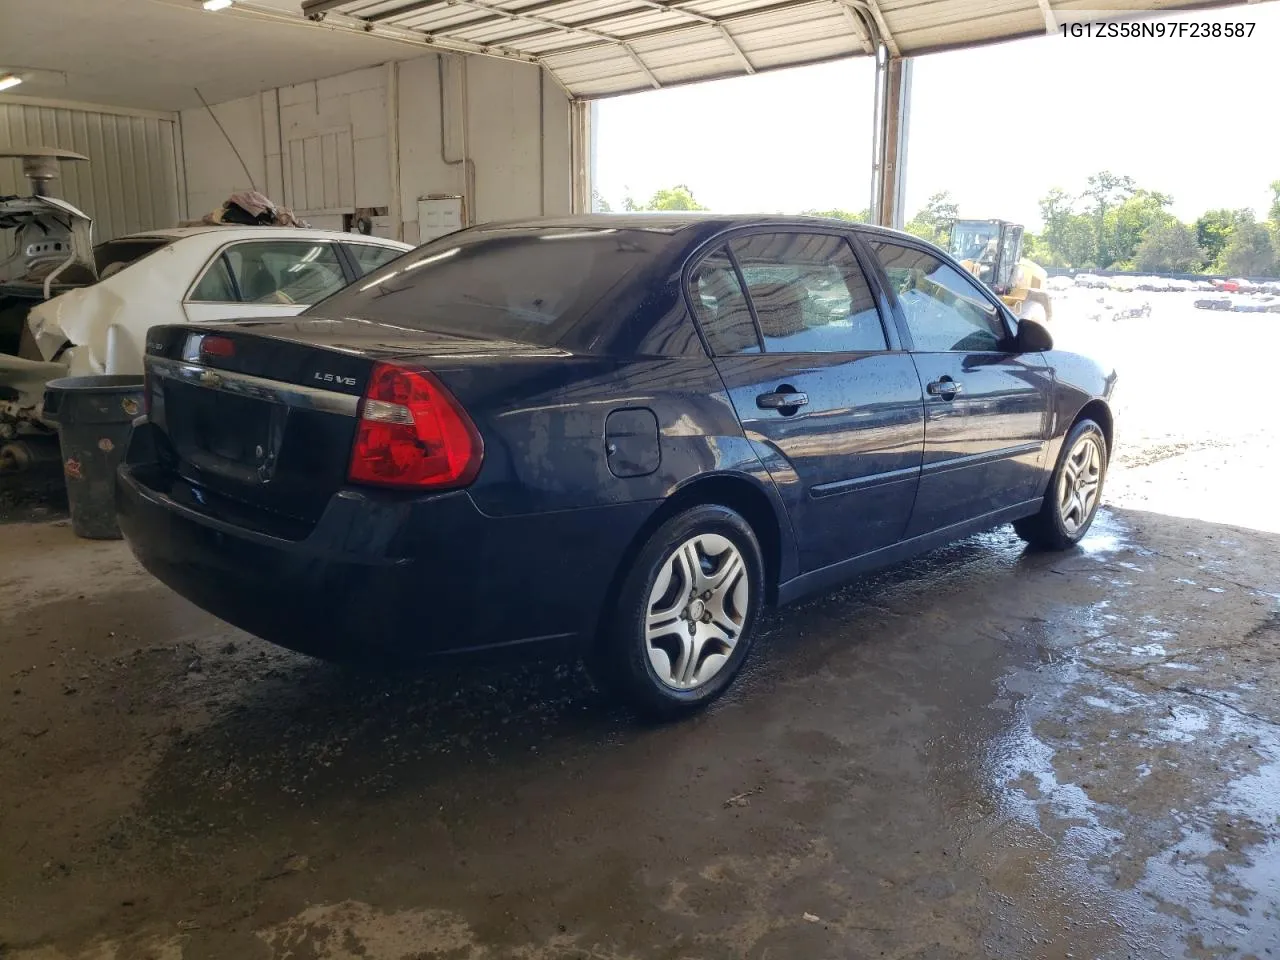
x=212, y=5
x=9, y=80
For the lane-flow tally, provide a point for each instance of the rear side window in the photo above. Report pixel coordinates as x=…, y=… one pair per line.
x=809, y=294
x=369, y=256
x=286, y=271
x=114, y=255
x=215, y=286
x=721, y=307
x=528, y=285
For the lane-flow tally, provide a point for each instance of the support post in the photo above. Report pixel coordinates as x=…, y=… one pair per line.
x=889, y=141
x=581, y=155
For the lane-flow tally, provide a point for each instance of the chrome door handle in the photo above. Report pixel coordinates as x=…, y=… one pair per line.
x=945, y=388
x=781, y=401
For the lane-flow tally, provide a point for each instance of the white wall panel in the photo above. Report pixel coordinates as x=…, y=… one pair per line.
x=131, y=180
x=213, y=170
x=324, y=147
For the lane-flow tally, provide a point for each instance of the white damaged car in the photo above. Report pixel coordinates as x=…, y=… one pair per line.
x=183, y=275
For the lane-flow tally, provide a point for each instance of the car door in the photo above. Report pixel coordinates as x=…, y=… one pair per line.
x=987, y=409
x=824, y=392
x=265, y=278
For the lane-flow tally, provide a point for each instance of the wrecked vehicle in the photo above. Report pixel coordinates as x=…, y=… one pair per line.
x=71, y=309
x=49, y=250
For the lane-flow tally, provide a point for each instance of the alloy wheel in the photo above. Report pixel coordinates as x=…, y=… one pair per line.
x=697, y=610
x=1080, y=483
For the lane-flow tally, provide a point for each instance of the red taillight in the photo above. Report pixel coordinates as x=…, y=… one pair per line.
x=413, y=433
x=217, y=347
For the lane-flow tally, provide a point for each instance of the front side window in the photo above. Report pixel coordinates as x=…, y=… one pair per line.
x=944, y=310
x=809, y=294
x=285, y=271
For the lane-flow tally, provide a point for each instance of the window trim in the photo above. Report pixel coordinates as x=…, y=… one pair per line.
x=221, y=258
x=703, y=254
x=354, y=264
x=221, y=254
x=908, y=242
x=892, y=336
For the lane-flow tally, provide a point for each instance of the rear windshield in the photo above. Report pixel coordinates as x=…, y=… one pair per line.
x=529, y=286
x=124, y=252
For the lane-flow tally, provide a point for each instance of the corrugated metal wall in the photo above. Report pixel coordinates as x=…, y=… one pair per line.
x=130, y=182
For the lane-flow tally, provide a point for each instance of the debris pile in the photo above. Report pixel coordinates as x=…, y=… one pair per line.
x=251, y=209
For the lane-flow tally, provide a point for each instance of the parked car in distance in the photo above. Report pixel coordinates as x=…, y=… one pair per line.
x=192, y=274
x=618, y=437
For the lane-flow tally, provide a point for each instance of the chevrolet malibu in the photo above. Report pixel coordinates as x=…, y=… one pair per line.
x=613, y=437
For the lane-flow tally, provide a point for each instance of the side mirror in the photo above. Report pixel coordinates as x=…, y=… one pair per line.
x=1032, y=337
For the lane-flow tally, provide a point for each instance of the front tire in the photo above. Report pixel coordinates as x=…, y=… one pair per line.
x=685, y=616
x=1074, y=493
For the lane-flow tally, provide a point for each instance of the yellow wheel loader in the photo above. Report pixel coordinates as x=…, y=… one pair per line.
x=991, y=250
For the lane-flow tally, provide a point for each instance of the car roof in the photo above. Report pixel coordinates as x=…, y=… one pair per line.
x=236, y=232
x=664, y=221
x=678, y=222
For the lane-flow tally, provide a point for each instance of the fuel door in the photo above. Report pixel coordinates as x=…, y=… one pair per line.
x=631, y=442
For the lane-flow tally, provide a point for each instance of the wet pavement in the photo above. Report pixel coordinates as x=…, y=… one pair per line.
x=985, y=752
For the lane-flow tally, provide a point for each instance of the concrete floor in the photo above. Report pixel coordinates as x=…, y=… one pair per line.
x=985, y=752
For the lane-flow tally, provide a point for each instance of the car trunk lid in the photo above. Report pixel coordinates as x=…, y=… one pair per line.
x=264, y=413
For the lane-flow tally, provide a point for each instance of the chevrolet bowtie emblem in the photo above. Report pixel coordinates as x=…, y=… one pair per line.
x=210, y=379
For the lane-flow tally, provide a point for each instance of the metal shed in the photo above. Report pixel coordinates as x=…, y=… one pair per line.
x=598, y=48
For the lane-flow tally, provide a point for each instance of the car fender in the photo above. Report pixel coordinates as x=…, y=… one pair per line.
x=754, y=475
x=1079, y=381
x=109, y=319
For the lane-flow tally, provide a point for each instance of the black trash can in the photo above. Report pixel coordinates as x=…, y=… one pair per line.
x=94, y=416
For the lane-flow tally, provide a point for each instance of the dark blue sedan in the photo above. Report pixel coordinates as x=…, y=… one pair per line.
x=614, y=436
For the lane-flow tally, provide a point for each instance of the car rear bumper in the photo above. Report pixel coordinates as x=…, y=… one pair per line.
x=387, y=576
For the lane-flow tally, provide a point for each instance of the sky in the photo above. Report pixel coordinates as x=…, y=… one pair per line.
x=1197, y=119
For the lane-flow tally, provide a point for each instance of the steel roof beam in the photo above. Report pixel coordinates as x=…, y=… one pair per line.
x=644, y=68
x=505, y=14
x=516, y=16
x=883, y=28
x=684, y=27
x=738, y=52
x=590, y=23
x=860, y=27
x=1050, y=21
x=318, y=8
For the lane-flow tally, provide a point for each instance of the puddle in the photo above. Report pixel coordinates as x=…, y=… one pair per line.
x=1107, y=535
x=1223, y=875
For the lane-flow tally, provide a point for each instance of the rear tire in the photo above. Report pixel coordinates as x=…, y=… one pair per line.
x=685, y=617
x=1074, y=493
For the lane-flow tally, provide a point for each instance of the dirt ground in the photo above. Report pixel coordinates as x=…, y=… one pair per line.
x=985, y=752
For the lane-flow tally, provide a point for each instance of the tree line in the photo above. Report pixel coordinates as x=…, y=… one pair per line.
x=1113, y=224
x=1116, y=225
